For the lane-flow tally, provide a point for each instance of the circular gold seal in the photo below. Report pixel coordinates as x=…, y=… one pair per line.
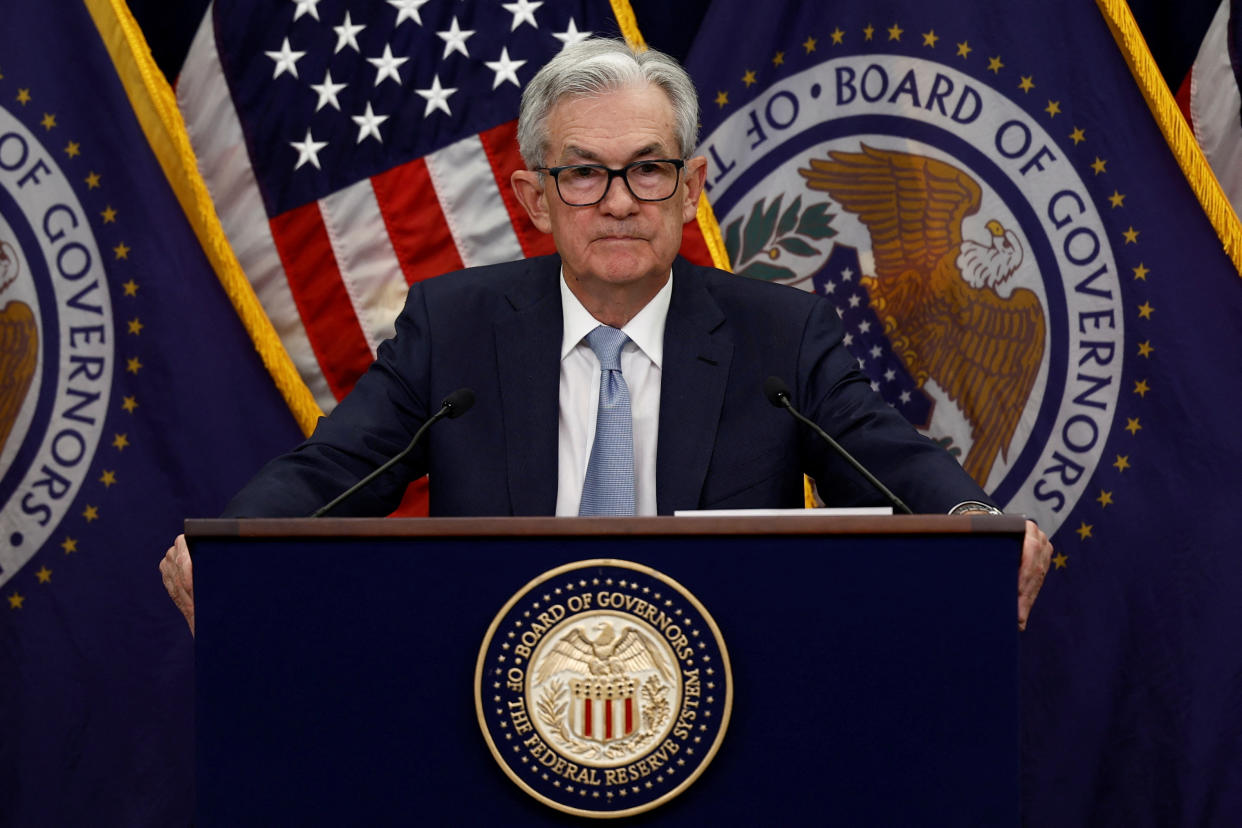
x=603, y=688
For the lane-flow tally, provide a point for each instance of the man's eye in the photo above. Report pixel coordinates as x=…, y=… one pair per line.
x=583, y=172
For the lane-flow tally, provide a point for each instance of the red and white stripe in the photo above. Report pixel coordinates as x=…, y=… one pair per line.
x=1210, y=100
x=604, y=719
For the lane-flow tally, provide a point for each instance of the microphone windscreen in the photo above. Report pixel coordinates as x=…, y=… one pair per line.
x=458, y=402
x=774, y=388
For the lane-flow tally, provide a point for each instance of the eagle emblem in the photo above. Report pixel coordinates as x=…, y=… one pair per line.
x=604, y=679
x=19, y=346
x=936, y=292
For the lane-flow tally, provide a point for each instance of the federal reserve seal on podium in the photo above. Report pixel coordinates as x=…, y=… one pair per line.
x=603, y=688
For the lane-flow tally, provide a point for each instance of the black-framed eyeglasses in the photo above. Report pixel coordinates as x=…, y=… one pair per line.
x=582, y=185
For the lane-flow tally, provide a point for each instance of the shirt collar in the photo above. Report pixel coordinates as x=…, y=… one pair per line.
x=646, y=329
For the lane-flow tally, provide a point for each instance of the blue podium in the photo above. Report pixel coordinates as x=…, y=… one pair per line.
x=536, y=671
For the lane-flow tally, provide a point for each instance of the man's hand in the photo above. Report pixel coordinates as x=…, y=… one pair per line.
x=178, y=576
x=1036, y=559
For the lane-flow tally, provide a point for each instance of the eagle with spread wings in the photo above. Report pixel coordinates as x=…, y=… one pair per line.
x=935, y=292
x=19, y=346
x=608, y=654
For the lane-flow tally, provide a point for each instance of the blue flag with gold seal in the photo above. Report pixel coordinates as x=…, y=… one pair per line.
x=131, y=397
x=1026, y=272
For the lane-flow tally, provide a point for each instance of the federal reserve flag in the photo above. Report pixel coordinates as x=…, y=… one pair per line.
x=1025, y=272
x=131, y=397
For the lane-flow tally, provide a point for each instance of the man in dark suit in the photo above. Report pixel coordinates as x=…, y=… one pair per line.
x=605, y=133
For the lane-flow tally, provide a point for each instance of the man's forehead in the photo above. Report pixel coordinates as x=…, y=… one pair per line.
x=582, y=124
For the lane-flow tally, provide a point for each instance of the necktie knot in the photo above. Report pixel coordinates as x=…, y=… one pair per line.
x=607, y=343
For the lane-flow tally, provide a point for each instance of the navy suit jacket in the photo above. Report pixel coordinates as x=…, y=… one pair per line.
x=721, y=444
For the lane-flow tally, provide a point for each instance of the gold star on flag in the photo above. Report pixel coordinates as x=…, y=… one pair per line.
x=44, y=575
x=995, y=65
x=120, y=442
x=749, y=78
x=1141, y=272
x=131, y=288
x=135, y=326
x=1078, y=136
x=1145, y=349
x=1053, y=109
x=1117, y=199
x=15, y=600
x=722, y=98
x=49, y=121
x=122, y=251
x=133, y=365
x=895, y=32
x=109, y=214
x=930, y=38
x=108, y=478
x=23, y=96
x=1060, y=560
x=1098, y=165
x=869, y=32
x=73, y=149
x=1122, y=462
x=1146, y=310
x=1131, y=235
x=1105, y=499
x=809, y=44
x=838, y=36
x=779, y=59
x=1141, y=388
x=1084, y=530
x=1132, y=425
x=963, y=49
x=69, y=545
x=129, y=404
x=91, y=513
x=92, y=180
x=1027, y=83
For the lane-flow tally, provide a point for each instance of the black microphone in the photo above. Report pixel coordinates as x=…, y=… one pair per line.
x=777, y=392
x=453, y=406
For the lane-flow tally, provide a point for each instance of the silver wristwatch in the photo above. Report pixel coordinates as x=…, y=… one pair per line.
x=968, y=506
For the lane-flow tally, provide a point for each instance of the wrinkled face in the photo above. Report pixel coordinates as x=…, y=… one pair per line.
x=621, y=240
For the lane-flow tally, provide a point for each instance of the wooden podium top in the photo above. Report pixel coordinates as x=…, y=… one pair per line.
x=794, y=524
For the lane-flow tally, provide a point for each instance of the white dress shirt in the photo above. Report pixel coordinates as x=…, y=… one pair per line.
x=579, y=396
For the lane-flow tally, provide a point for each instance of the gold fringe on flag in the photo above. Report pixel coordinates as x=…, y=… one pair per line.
x=1177, y=132
x=156, y=108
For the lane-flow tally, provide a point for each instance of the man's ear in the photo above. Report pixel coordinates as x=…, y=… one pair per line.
x=695, y=174
x=532, y=196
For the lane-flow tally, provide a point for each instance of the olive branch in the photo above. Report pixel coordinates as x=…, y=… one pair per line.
x=758, y=242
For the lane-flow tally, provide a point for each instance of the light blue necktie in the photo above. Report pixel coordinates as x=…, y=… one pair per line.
x=609, y=486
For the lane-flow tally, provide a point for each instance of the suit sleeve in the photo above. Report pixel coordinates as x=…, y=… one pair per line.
x=373, y=423
x=833, y=391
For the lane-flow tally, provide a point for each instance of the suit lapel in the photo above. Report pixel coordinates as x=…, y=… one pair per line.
x=528, y=347
x=692, y=389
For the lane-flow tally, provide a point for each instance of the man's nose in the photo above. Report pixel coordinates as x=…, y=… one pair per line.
x=618, y=200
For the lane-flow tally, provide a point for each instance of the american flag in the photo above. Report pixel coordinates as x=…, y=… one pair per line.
x=352, y=148
x=840, y=280
x=1210, y=97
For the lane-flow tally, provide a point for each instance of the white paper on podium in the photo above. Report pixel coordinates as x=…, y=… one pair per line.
x=824, y=512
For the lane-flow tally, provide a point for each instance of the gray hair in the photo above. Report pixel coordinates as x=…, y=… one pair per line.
x=594, y=67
